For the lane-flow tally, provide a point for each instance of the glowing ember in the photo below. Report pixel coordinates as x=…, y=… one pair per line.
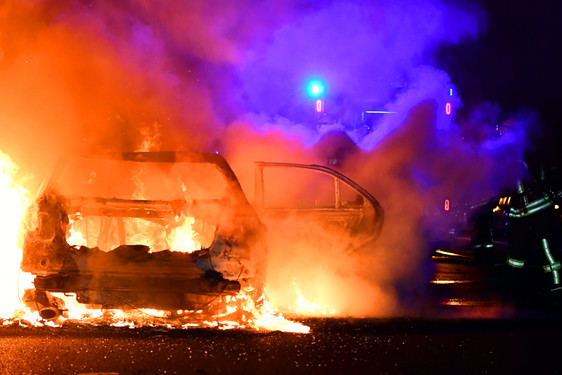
x=13, y=200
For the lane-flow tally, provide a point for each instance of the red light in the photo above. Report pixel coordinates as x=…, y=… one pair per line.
x=448, y=108
x=447, y=205
x=319, y=105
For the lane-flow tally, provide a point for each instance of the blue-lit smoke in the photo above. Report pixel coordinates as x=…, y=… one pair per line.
x=369, y=54
x=380, y=55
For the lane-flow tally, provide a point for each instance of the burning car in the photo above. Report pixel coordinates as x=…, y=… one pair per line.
x=158, y=230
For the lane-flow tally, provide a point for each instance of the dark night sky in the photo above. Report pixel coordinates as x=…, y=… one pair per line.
x=517, y=63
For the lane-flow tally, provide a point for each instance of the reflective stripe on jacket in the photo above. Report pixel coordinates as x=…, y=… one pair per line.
x=532, y=207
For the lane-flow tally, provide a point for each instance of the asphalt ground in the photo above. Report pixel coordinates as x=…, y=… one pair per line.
x=470, y=322
x=338, y=346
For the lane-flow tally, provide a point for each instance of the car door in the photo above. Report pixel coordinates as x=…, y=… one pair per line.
x=316, y=203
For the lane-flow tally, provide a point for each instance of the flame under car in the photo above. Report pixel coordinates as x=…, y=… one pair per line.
x=161, y=230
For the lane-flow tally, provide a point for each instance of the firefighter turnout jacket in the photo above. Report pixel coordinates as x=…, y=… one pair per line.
x=532, y=223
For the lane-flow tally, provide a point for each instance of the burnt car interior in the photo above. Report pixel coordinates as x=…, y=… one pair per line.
x=158, y=230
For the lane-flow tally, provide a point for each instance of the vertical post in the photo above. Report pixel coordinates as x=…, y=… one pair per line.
x=259, y=187
x=338, y=193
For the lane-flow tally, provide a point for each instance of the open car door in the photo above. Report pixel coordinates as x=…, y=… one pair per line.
x=316, y=203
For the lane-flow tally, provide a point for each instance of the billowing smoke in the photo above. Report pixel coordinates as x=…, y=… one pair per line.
x=86, y=76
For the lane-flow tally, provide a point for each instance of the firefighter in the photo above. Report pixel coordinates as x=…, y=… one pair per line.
x=532, y=221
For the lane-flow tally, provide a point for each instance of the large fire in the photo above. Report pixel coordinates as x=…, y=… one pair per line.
x=244, y=310
x=13, y=200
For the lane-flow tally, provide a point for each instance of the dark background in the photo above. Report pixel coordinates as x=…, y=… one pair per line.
x=516, y=63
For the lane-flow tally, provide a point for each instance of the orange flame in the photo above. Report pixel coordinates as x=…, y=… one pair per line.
x=13, y=200
x=310, y=308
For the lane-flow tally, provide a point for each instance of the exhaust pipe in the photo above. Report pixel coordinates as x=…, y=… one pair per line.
x=49, y=313
x=48, y=306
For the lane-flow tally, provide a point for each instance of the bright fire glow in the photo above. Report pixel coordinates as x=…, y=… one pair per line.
x=449, y=282
x=241, y=311
x=262, y=317
x=310, y=308
x=74, y=237
x=13, y=200
x=182, y=237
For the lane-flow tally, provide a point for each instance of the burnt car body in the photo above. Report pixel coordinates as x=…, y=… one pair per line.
x=160, y=230
x=126, y=207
